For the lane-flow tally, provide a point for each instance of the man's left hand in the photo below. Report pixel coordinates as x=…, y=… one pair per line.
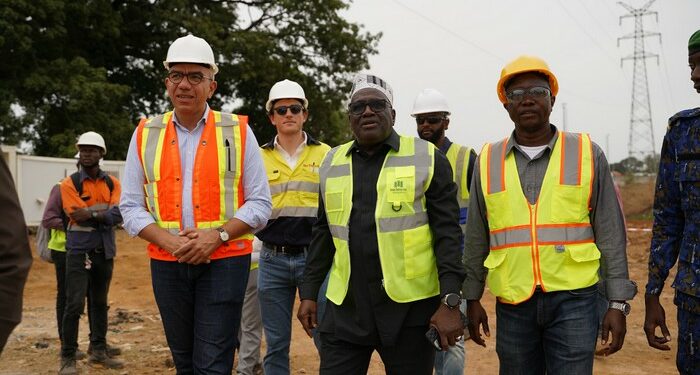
x=615, y=324
x=202, y=244
x=448, y=324
x=80, y=214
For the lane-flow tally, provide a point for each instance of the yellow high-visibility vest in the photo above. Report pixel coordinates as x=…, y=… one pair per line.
x=294, y=191
x=458, y=156
x=550, y=243
x=404, y=237
x=57, y=241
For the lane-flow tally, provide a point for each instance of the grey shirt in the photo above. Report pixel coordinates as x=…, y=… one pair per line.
x=606, y=219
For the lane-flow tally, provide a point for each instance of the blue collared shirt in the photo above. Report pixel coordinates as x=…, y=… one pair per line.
x=257, y=205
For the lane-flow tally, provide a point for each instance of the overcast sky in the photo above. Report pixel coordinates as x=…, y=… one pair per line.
x=460, y=46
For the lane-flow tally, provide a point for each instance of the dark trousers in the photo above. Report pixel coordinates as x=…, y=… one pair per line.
x=80, y=282
x=59, y=262
x=412, y=355
x=201, y=311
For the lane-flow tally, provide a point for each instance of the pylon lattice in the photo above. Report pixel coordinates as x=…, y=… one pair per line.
x=641, y=134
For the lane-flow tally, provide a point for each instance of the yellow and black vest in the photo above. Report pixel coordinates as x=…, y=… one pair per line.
x=404, y=237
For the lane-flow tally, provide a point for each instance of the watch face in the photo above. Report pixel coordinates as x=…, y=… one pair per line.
x=223, y=234
x=452, y=300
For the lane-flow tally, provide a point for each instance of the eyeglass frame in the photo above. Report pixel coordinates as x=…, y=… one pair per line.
x=187, y=75
x=527, y=92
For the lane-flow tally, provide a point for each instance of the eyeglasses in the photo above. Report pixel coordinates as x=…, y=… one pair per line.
x=432, y=120
x=282, y=110
x=194, y=78
x=357, y=108
x=518, y=95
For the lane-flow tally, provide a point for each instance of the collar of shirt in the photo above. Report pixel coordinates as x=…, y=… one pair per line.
x=201, y=121
x=512, y=144
x=392, y=141
x=291, y=159
x=84, y=176
x=445, y=145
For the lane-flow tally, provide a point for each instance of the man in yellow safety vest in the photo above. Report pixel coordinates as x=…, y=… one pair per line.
x=543, y=219
x=388, y=231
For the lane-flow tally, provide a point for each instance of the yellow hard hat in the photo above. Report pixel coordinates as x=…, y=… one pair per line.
x=524, y=64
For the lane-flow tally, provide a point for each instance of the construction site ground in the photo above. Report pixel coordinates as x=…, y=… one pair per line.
x=135, y=325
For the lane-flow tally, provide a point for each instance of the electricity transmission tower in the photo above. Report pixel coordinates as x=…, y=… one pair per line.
x=641, y=134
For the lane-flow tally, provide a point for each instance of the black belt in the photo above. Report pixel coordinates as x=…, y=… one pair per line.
x=285, y=249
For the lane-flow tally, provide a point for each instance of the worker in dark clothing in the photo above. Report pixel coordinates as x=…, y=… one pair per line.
x=388, y=231
x=676, y=231
x=15, y=256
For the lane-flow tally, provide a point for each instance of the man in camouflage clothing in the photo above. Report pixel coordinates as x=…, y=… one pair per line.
x=676, y=233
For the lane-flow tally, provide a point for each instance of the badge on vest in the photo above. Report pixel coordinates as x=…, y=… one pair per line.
x=559, y=248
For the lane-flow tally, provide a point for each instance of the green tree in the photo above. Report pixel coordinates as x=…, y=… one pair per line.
x=69, y=67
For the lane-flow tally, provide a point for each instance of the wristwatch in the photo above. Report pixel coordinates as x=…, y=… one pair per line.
x=223, y=234
x=452, y=300
x=622, y=306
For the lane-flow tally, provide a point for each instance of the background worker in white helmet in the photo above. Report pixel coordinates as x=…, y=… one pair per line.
x=432, y=115
x=90, y=199
x=543, y=218
x=292, y=160
x=195, y=188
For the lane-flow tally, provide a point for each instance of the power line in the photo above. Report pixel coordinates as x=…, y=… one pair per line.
x=584, y=31
x=449, y=31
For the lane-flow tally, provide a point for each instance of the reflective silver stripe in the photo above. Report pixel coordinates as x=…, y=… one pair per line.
x=98, y=207
x=79, y=228
x=495, y=165
x=571, y=158
x=563, y=234
x=338, y=171
x=294, y=212
x=310, y=187
x=459, y=170
x=324, y=169
x=510, y=237
x=226, y=120
x=395, y=224
x=227, y=129
x=340, y=232
x=151, y=196
x=155, y=126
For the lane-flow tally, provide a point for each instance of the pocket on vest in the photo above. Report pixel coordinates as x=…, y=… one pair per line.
x=497, y=277
x=419, y=257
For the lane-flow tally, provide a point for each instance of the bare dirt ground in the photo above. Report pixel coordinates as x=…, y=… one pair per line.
x=135, y=324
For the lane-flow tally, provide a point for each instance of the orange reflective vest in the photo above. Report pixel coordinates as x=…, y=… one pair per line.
x=217, y=189
x=550, y=243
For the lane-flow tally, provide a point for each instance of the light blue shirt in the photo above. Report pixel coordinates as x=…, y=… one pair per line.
x=257, y=205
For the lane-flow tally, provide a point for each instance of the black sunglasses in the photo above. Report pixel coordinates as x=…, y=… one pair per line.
x=282, y=110
x=357, y=108
x=432, y=120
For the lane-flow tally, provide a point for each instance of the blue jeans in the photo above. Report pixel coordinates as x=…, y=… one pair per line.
x=201, y=311
x=279, y=276
x=551, y=333
x=451, y=362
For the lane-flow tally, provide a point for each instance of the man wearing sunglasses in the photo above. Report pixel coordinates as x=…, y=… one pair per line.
x=543, y=219
x=195, y=189
x=432, y=113
x=292, y=160
x=388, y=231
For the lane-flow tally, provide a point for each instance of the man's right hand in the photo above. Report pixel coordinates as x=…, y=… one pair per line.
x=477, y=317
x=654, y=317
x=307, y=315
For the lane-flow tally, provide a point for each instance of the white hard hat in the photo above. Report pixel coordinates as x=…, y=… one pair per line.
x=429, y=101
x=91, y=139
x=286, y=90
x=190, y=49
